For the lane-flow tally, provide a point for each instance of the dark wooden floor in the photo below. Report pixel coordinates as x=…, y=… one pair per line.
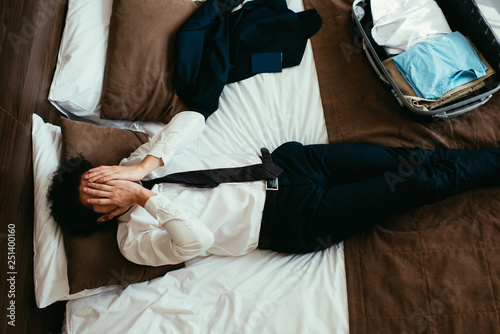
x=30, y=31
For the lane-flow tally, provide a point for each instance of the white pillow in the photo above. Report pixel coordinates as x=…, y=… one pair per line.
x=49, y=257
x=77, y=84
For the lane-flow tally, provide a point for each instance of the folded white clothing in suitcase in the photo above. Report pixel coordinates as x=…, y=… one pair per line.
x=401, y=24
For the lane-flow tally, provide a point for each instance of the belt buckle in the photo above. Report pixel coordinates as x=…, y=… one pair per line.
x=272, y=185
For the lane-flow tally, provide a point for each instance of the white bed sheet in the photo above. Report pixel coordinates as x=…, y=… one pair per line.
x=261, y=292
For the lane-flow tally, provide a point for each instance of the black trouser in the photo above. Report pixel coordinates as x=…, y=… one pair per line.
x=329, y=192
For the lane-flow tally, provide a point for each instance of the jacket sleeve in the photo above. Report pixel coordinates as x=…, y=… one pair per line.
x=178, y=236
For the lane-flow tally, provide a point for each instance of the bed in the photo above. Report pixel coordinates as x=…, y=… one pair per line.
x=258, y=292
x=433, y=269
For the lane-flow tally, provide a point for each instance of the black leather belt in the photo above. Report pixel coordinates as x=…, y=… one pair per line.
x=271, y=185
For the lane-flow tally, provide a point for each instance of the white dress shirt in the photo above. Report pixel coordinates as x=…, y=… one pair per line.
x=182, y=222
x=401, y=24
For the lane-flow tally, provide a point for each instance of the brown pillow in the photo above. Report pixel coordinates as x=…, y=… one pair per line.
x=140, y=59
x=100, y=145
x=96, y=261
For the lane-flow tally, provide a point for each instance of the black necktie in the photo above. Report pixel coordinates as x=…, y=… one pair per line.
x=210, y=178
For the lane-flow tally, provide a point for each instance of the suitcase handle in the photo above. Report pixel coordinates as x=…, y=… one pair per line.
x=372, y=62
x=470, y=107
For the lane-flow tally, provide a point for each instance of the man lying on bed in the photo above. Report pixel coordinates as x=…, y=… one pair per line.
x=325, y=193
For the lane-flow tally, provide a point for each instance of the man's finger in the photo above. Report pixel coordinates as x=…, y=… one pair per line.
x=99, y=172
x=99, y=186
x=104, y=218
x=95, y=169
x=100, y=201
x=97, y=193
x=111, y=183
x=96, y=176
x=105, y=178
x=114, y=212
x=117, y=211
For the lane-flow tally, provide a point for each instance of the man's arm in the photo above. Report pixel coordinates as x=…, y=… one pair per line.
x=176, y=237
x=183, y=129
x=103, y=174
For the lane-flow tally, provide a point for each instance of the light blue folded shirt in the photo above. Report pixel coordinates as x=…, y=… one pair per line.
x=436, y=66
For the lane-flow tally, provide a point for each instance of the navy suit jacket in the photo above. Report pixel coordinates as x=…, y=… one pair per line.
x=215, y=45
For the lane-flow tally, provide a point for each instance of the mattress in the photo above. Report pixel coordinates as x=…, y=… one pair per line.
x=261, y=292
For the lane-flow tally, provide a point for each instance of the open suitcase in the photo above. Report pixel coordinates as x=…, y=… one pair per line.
x=463, y=16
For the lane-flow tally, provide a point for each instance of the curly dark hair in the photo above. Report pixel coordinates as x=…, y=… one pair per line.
x=63, y=197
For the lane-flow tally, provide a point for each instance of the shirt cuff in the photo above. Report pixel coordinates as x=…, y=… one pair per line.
x=151, y=205
x=163, y=209
x=166, y=150
x=183, y=129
